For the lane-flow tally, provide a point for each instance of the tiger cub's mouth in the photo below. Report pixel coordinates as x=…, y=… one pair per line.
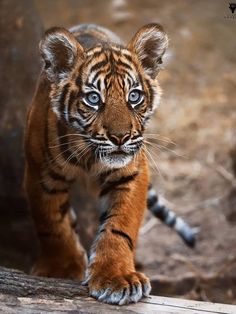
x=119, y=152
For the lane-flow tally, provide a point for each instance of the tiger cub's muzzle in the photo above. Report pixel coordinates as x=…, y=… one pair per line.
x=117, y=150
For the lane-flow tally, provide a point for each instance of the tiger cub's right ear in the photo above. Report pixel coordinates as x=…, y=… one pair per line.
x=150, y=44
x=59, y=50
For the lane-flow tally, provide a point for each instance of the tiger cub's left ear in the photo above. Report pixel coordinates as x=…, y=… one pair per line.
x=150, y=44
x=59, y=50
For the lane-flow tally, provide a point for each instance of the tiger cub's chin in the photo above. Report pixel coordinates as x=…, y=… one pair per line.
x=116, y=161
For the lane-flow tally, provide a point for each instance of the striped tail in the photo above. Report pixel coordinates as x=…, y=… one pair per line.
x=160, y=211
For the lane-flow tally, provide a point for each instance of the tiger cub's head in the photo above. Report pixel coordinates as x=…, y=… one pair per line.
x=106, y=93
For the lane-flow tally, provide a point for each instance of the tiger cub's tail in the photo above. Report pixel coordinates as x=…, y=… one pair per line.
x=160, y=211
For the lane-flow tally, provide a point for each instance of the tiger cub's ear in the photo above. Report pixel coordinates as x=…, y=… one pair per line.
x=59, y=50
x=150, y=44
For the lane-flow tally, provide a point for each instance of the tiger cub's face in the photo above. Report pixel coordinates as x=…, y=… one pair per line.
x=107, y=93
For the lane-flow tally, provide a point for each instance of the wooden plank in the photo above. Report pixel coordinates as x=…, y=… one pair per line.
x=20, y=293
x=191, y=306
x=160, y=305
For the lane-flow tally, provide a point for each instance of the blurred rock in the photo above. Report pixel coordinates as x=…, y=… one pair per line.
x=163, y=285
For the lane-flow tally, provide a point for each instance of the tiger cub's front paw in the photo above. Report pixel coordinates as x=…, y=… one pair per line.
x=122, y=289
x=69, y=267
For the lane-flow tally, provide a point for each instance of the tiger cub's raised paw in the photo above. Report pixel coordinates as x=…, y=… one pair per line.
x=123, y=289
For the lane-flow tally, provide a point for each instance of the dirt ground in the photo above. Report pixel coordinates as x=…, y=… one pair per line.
x=193, y=133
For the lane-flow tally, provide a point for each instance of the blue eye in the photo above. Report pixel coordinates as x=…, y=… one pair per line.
x=135, y=97
x=93, y=99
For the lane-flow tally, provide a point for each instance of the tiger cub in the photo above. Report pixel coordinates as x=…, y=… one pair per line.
x=88, y=116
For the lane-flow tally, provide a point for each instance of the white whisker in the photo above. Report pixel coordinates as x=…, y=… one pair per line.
x=160, y=147
x=152, y=161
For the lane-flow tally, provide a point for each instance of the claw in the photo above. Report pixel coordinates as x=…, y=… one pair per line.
x=122, y=290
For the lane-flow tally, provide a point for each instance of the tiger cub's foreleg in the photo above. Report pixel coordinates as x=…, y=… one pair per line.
x=111, y=274
x=61, y=253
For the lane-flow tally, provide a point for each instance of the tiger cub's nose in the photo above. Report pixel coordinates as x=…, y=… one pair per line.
x=119, y=138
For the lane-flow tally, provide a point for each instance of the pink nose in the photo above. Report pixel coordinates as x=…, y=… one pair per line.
x=119, y=139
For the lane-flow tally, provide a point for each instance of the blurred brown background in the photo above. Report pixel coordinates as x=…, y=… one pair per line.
x=195, y=176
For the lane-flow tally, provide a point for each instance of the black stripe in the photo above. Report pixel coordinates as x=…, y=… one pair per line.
x=72, y=98
x=83, y=112
x=111, y=185
x=64, y=208
x=105, y=216
x=120, y=82
x=89, y=121
x=58, y=177
x=151, y=96
x=98, y=66
x=123, y=64
x=131, y=78
x=124, y=235
x=137, y=136
x=129, y=82
x=128, y=57
x=106, y=174
x=99, y=85
x=116, y=188
x=111, y=74
x=78, y=79
x=163, y=213
x=160, y=211
x=48, y=151
x=151, y=200
x=100, y=72
x=141, y=79
x=116, y=53
x=63, y=97
x=48, y=190
x=73, y=119
x=91, y=85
